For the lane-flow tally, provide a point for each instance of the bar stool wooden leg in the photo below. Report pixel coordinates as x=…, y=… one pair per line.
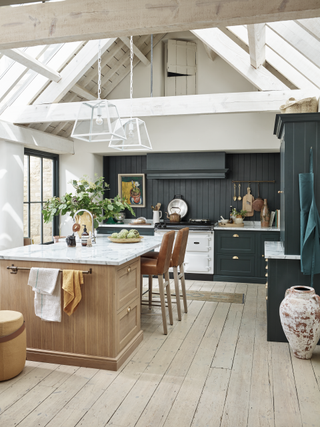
x=183, y=287
x=163, y=305
x=168, y=290
x=150, y=292
x=177, y=290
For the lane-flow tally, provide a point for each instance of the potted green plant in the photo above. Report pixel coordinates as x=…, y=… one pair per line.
x=89, y=196
x=238, y=216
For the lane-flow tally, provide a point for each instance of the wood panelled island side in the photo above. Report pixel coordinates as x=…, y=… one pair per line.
x=105, y=328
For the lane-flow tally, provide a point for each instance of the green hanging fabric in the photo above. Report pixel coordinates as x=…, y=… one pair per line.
x=309, y=224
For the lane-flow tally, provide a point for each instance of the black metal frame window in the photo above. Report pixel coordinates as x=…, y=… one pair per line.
x=41, y=182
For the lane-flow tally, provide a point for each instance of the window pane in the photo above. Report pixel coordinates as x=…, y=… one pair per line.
x=35, y=179
x=25, y=179
x=25, y=220
x=47, y=179
x=35, y=222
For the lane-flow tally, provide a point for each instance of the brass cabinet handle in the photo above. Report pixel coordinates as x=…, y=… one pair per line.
x=128, y=309
x=129, y=269
x=262, y=256
x=266, y=267
x=266, y=259
x=280, y=192
x=235, y=257
x=266, y=285
x=266, y=274
x=235, y=235
x=267, y=298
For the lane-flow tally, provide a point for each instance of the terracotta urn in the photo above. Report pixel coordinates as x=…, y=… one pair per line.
x=300, y=320
x=265, y=215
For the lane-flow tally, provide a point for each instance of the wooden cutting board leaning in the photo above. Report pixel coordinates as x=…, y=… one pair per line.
x=247, y=203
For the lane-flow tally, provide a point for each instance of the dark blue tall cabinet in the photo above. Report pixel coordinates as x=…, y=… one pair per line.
x=298, y=132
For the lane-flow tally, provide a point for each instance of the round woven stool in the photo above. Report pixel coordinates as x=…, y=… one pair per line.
x=12, y=344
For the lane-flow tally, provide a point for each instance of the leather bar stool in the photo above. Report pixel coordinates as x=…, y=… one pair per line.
x=160, y=266
x=176, y=262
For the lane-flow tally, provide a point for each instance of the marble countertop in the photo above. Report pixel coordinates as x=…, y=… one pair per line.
x=104, y=252
x=248, y=226
x=275, y=250
x=128, y=224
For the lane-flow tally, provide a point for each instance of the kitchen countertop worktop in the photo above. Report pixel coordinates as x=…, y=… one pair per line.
x=248, y=226
x=128, y=224
x=275, y=250
x=104, y=252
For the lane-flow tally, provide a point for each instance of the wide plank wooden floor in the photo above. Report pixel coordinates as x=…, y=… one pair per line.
x=214, y=368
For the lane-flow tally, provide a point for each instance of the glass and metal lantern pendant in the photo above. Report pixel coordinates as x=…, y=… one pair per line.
x=98, y=121
x=136, y=134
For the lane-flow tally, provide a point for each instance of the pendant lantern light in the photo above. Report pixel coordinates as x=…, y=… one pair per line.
x=98, y=121
x=136, y=134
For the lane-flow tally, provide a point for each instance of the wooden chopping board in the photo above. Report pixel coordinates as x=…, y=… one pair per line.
x=247, y=203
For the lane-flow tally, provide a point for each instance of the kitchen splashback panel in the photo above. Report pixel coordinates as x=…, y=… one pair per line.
x=206, y=198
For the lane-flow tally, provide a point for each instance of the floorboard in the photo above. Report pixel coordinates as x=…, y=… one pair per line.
x=215, y=368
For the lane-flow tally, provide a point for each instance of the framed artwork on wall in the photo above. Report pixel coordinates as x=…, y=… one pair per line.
x=132, y=187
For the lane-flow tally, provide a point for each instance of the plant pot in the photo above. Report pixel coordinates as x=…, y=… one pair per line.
x=300, y=320
x=238, y=220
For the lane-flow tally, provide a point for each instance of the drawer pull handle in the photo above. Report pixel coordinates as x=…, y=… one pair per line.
x=280, y=192
x=235, y=257
x=267, y=298
x=235, y=235
x=129, y=269
x=266, y=274
x=196, y=243
x=262, y=256
x=266, y=285
x=128, y=309
x=266, y=267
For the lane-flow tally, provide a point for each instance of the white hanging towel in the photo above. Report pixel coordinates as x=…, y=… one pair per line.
x=47, y=293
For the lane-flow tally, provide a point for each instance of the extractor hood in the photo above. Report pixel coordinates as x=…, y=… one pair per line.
x=198, y=165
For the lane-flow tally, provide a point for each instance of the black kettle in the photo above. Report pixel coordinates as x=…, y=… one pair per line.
x=71, y=240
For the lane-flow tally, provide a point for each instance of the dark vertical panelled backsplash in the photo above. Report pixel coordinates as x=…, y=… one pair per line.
x=206, y=198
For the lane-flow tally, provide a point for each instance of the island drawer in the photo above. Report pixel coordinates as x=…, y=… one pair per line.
x=235, y=241
x=127, y=284
x=128, y=323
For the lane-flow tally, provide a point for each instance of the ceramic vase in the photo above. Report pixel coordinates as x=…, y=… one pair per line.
x=300, y=320
x=265, y=214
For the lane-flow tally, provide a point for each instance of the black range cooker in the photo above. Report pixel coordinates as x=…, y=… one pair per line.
x=192, y=224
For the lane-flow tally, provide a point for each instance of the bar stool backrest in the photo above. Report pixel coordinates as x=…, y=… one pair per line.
x=180, y=247
x=163, y=260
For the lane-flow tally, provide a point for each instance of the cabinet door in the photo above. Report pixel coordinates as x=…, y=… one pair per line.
x=235, y=242
x=237, y=265
x=264, y=236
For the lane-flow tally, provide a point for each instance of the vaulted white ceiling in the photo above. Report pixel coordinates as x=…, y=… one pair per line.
x=42, y=84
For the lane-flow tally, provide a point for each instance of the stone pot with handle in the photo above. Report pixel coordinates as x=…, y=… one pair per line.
x=300, y=319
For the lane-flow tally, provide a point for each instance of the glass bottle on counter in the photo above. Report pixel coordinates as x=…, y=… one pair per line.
x=231, y=214
x=84, y=236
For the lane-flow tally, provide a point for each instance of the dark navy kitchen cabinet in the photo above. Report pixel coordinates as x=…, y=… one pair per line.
x=298, y=132
x=239, y=255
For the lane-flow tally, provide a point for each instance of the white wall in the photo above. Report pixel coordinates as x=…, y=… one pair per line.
x=75, y=167
x=11, y=195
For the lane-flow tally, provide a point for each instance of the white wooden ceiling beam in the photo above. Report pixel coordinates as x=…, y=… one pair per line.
x=72, y=20
x=299, y=38
x=211, y=54
x=84, y=93
x=73, y=71
x=136, y=51
x=280, y=63
x=35, y=139
x=237, y=58
x=32, y=63
x=257, y=41
x=217, y=103
x=312, y=26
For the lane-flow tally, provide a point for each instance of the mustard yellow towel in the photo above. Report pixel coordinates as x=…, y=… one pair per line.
x=72, y=279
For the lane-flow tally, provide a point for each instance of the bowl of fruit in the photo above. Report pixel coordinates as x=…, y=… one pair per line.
x=126, y=236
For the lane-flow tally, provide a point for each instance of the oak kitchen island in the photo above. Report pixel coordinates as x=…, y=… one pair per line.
x=105, y=328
